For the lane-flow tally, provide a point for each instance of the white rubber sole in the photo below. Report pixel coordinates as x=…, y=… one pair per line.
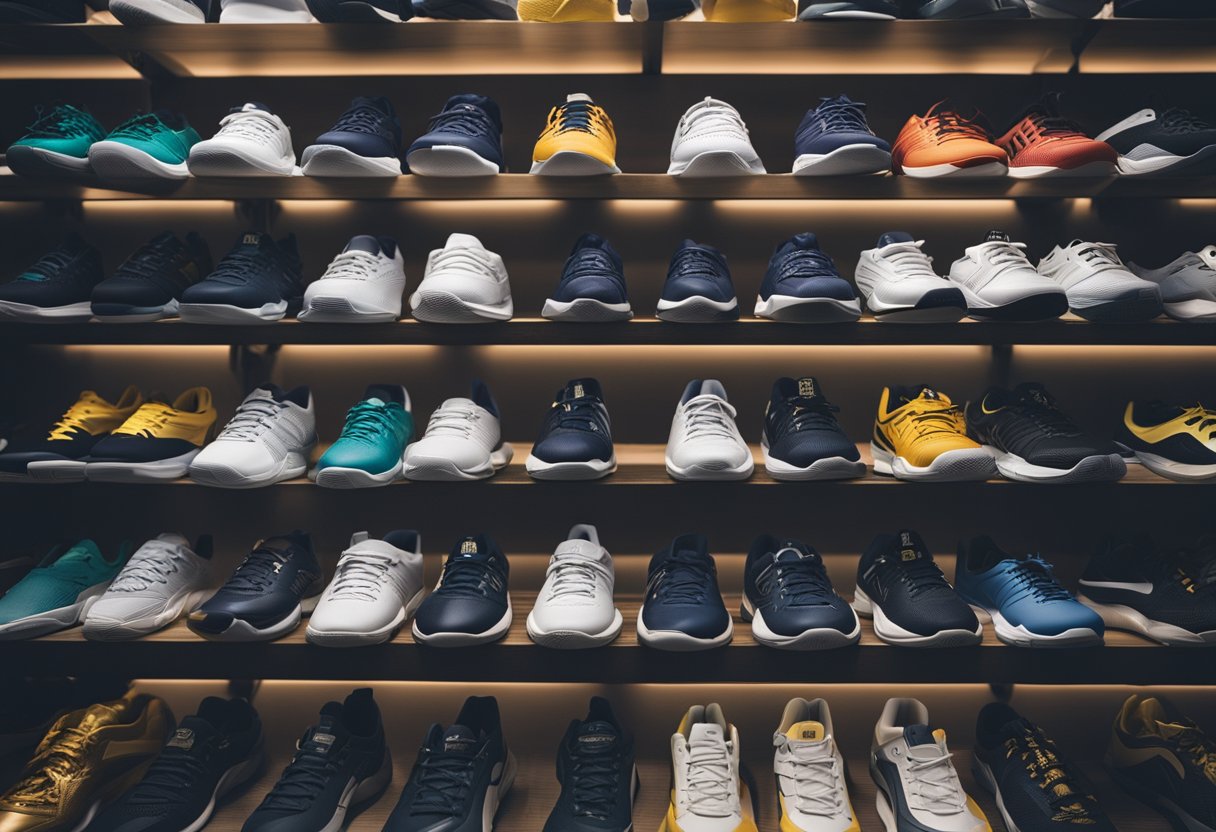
x=330, y=160
x=1020, y=636
x=440, y=469
x=159, y=470
x=495, y=792
x=569, y=639
x=849, y=160
x=243, y=631
x=715, y=470
x=1098, y=468
x=52, y=621
x=351, y=478
x=114, y=629
x=677, y=642
x=963, y=465
x=145, y=314
x=697, y=310
x=1093, y=169
x=293, y=465
x=1162, y=163
x=143, y=12
x=986, y=170
x=222, y=313
x=1192, y=310
x=118, y=162
x=446, y=308
x=572, y=163
x=38, y=162
x=212, y=160
x=336, y=309
x=489, y=636
x=1121, y=617
x=823, y=638
x=362, y=638
x=1159, y=465
x=829, y=468
x=592, y=469
x=586, y=310
x=789, y=309
x=717, y=163
x=56, y=470
x=892, y=633
x=890, y=313
x=24, y=312
x=449, y=161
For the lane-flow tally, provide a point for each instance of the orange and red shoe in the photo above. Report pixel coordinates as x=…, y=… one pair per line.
x=1042, y=144
x=943, y=142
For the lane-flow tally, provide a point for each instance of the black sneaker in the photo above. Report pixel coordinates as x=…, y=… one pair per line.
x=258, y=281
x=965, y=9
x=55, y=289
x=149, y=285
x=683, y=609
x=461, y=776
x=802, y=439
x=41, y=11
x=1169, y=142
x=901, y=587
x=470, y=605
x=575, y=441
x=211, y=754
x=598, y=776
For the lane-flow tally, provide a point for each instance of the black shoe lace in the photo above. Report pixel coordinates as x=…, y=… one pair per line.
x=465, y=119
x=444, y=782
x=257, y=571
x=1045, y=768
x=149, y=261
x=588, y=262
x=304, y=778
x=59, y=122
x=243, y=262
x=843, y=115
x=575, y=115
x=595, y=778
x=803, y=582
x=695, y=262
x=1178, y=120
x=1047, y=415
x=681, y=580
x=920, y=575
x=949, y=125
x=361, y=118
x=170, y=777
x=803, y=262
x=47, y=267
x=143, y=126
x=467, y=578
x=811, y=414
x=1055, y=125
x=576, y=414
x=1037, y=578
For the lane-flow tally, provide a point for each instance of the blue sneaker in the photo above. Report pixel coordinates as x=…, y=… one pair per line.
x=55, y=289
x=802, y=439
x=149, y=285
x=372, y=443
x=834, y=139
x=258, y=281
x=683, y=610
x=465, y=139
x=56, y=144
x=575, y=441
x=148, y=147
x=58, y=592
x=366, y=142
x=1022, y=598
x=592, y=285
x=803, y=286
x=698, y=288
x=470, y=605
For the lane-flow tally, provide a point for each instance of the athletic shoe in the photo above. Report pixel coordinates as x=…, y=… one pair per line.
x=900, y=586
x=592, y=286
x=683, y=609
x=164, y=580
x=943, y=142
x=56, y=144
x=1065, y=8
x=567, y=11
x=575, y=441
x=789, y=600
x=748, y=11
x=258, y=281
x=1100, y=288
x=1033, y=440
x=704, y=442
x=595, y=766
x=158, y=442
x=144, y=12
x=463, y=441
x=341, y=766
x=361, y=11
x=574, y=608
x=265, y=11
x=365, y=142
x=1043, y=144
x=1188, y=285
x=252, y=141
x=861, y=9
x=709, y=790
x=1181, y=9
x=579, y=138
x=464, y=283
x=920, y=435
x=969, y=9
x=834, y=138
x=377, y=586
x=266, y=596
x=467, y=9
x=363, y=284
x=900, y=283
x=711, y=138
x=812, y=787
x=269, y=439
x=465, y=139
x=661, y=10
x=371, y=448
x=57, y=593
x=41, y=11
x=1000, y=284
x=470, y=604
x=802, y=285
x=1170, y=142
x=148, y=286
x=1176, y=442
x=1022, y=598
x=56, y=288
x=149, y=146
x=698, y=287
x=802, y=439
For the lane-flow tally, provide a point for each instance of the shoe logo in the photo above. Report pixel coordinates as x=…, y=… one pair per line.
x=469, y=547
x=182, y=738
x=906, y=555
x=1128, y=757
x=251, y=239
x=578, y=391
x=130, y=748
x=806, y=387
x=984, y=408
x=1142, y=587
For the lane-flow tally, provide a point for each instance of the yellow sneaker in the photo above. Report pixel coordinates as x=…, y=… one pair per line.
x=748, y=11
x=567, y=11
x=921, y=435
x=158, y=442
x=579, y=140
x=708, y=793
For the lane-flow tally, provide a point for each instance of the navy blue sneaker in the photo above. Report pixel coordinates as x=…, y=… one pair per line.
x=55, y=289
x=683, y=609
x=465, y=139
x=361, y=11
x=149, y=285
x=834, y=138
x=844, y=9
x=258, y=281
x=802, y=285
x=643, y=10
x=802, y=439
x=471, y=604
x=592, y=285
x=267, y=595
x=698, y=288
x=575, y=441
x=366, y=142
x=468, y=9
x=789, y=599
x=599, y=779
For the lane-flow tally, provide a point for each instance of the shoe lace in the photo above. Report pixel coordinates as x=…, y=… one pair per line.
x=255, y=125
x=811, y=414
x=816, y=775
x=361, y=118
x=948, y=125
x=1199, y=415
x=62, y=121
x=1035, y=578
x=1046, y=414
x=594, y=779
x=836, y=114
x=367, y=422
x=58, y=762
x=1005, y=255
x=709, y=417
x=573, y=574
x=710, y=785
x=141, y=126
x=1178, y=120
x=582, y=117
x=468, y=578
x=462, y=258
x=243, y=263
x=170, y=777
x=360, y=575
x=920, y=575
x=908, y=260
x=933, y=416
x=444, y=782
x=452, y=420
x=305, y=776
x=146, y=421
x=465, y=119
x=47, y=268
x=1098, y=256
x=681, y=580
x=589, y=262
x=1054, y=126
x=800, y=262
x=1044, y=767
x=712, y=115
x=1202, y=750
x=576, y=414
x=149, y=260
x=804, y=582
x=695, y=262
x=352, y=265
x=153, y=563
x=257, y=571
x=72, y=420
x=252, y=418
x=935, y=785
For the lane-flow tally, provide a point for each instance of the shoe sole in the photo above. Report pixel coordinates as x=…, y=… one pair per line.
x=939, y=306
x=574, y=639
x=1097, y=468
x=493, y=634
x=716, y=164
x=981, y=168
x=891, y=633
x=146, y=12
x=52, y=621
x=1159, y=465
x=352, y=638
x=828, y=468
x=1143, y=305
x=216, y=475
x=322, y=160
x=70, y=314
x=243, y=631
x=963, y=465
x=173, y=468
x=345, y=479
x=182, y=604
x=1121, y=617
x=1201, y=161
x=796, y=310
x=1074, y=9
x=449, y=161
x=39, y=163
x=1019, y=636
x=339, y=310
x=571, y=11
x=970, y=9
x=675, y=641
x=117, y=162
x=57, y=470
x=849, y=160
x=118, y=313
x=446, y=308
x=698, y=310
x=572, y=163
x=592, y=469
x=822, y=638
x=438, y=469
x=1042, y=307
x=222, y=313
x=586, y=310
x=660, y=10
x=713, y=471
x=205, y=161
x=1092, y=169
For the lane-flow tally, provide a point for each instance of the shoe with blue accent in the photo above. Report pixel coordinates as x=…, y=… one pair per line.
x=370, y=449
x=683, y=610
x=470, y=604
x=149, y=146
x=465, y=139
x=258, y=281
x=149, y=284
x=1021, y=596
x=848, y=9
x=802, y=285
x=56, y=144
x=802, y=439
x=575, y=441
x=58, y=592
x=835, y=139
x=592, y=285
x=698, y=288
x=56, y=288
x=365, y=142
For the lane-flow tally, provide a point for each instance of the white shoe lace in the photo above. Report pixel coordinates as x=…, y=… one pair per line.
x=710, y=115
x=908, y=260
x=451, y=420
x=352, y=265
x=360, y=575
x=251, y=419
x=1098, y=256
x=462, y=259
x=935, y=786
x=817, y=777
x=155, y=561
x=573, y=574
x=709, y=417
x=711, y=790
x=1005, y=255
x=255, y=125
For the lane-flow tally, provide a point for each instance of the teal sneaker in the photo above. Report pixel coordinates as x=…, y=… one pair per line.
x=148, y=146
x=58, y=592
x=373, y=440
x=56, y=144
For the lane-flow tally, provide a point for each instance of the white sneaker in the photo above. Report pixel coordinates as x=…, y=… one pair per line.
x=1099, y=286
x=463, y=284
x=268, y=440
x=574, y=608
x=363, y=284
x=1000, y=284
x=377, y=586
x=810, y=771
x=252, y=141
x=265, y=11
x=164, y=580
x=900, y=284
x=704, y=443
x=711, y=140
x=1188, y=285
x=463, y=441
x=707, y=792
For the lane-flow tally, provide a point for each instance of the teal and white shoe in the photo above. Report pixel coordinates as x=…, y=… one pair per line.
x=369, y=451
x=58, y=592
x=57, y=144
x=147, y=146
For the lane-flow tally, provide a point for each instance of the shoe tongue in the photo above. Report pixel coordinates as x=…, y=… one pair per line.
x=997, y=236
x=382, y=104
x=911, y=547
x=471, y=548
x=250, y=107
x=892, y=237
x=809, y=731
x=1032, y=392
x=460, y=740
x=256, y=238
x=706, y=733
x=917, y=735
x=597, y=737
x=382, y=394
x=364, y=242
x=805, y=241
x=792, y=551
x=578, y=96
x=173, y=539
x=581, y=548
x=190, y=731
x=268, y=391
x=580, y=388
x=806, y=387
x=97, y=716
x=1169, y=730
x=82, y=549
x=925, y=393
x=463, y=241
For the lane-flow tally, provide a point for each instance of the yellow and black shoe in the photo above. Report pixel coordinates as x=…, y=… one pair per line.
x=708, y=791
x=919, y=434
x=1179, y=443
x=578, y=140
x=157, y=443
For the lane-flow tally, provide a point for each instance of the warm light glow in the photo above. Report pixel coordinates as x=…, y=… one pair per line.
x=865, y=208
x=162, y=207
x=57, y=67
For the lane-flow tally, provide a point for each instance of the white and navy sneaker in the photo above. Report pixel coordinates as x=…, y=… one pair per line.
x=365, y=142
x=363, y=284
x=1001, y=284
x=258, y=281
x=464, y=139
x=470, y=604
x=812, y=788
x=269, y=439
x=575, y=441
x=900, y=284
x=252, y=141
x=463, y=441
x=802, y=439
x=592, y=285
x=574, y=608
x=698, y=289
x=464, y=283
x=1170, y=142
x=683, y=609
x=704, y=442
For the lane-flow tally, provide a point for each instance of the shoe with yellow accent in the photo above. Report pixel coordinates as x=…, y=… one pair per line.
x=708, y=791
x=748, y=11
x=1179, y=443
x=567, y=11
x=920, y=434
x=87, y=759
x=157, y=443
x=578, y=140
x=812, y=795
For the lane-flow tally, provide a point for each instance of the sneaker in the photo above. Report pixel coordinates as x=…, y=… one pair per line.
x=1065, y=8
x=592, y=286
x=944, y=142
x=901, y=285
x=377, y=587
x=661, y=10
x=265, y=11
x=969, y=9
x=900, y=586
x=149, y=146
x=1033, y=440
x=1043, y=144
x=860, y=9
x=1187, y=285
x=56, y=144
x=595, y=766
x=371, y=448
x=145, y=12
x=705, y=443
x=163, y=581
x=1100, y=288
x=789, y=600
x=802, y=285
x=57, y=593
x=748, y=11
x=683, y=609
x=574, y=609
x=158, y=442
x=698, y=287
x=42, y=11
x=463, y=441
x=361, y=11
x=921, y=435
x=465, y=139
x=56, y=288
x=470, y=604
x=258, y=281
x=834, y=138
x=1174, y=441
x=267, y=595
x=464, y=283
x=712, y=140
x=575, y=441
x=467, y=9
x=802, y=439
x=1022, y=598
x=1170, y=142
x=709, y=790
x=269, y=439
x=578, y=139
x=365, y=142
x=1000, y=284
x=812, y=787
x=148, y=286
x=363, y=284
x=252, y=141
